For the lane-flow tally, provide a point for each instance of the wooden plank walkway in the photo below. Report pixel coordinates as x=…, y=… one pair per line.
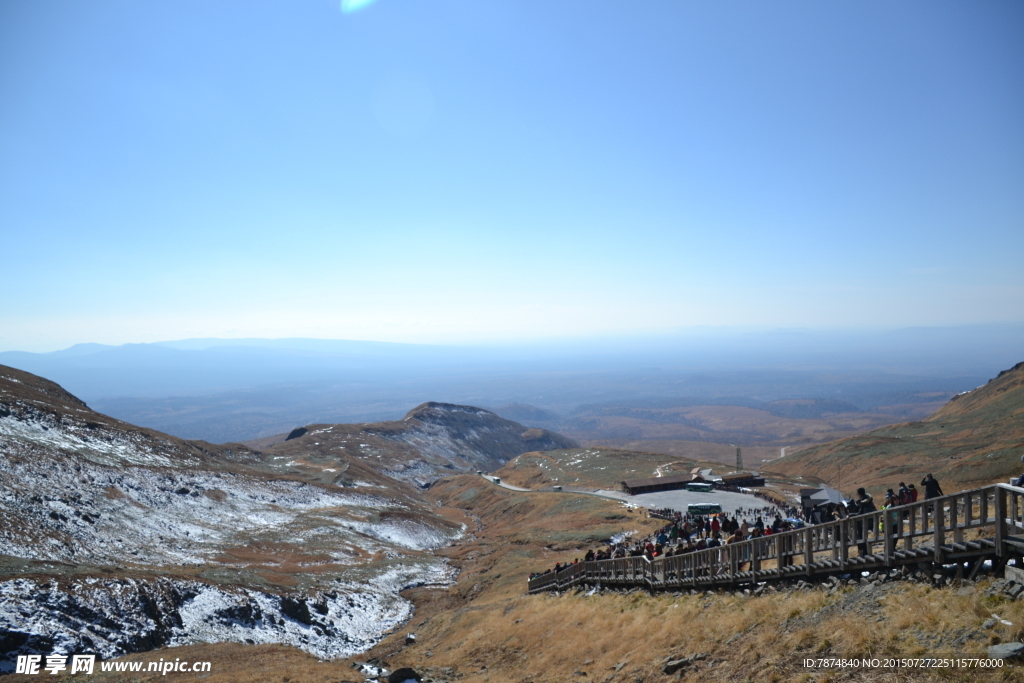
x=966, y=527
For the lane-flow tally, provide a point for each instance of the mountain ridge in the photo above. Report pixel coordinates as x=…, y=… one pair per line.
x=976, y=438
x=432, y=440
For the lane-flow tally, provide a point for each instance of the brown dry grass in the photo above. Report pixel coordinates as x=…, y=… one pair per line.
x=722, y=453
x=491, y=623
x=974, y=440
x=486, y=620
x=716, y=423
x=594, y=467
x=230, y=663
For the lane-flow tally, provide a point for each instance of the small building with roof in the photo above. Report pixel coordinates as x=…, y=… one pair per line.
x=745, y=479
x=672, y=482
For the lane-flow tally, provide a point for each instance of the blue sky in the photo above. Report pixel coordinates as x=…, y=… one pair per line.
x=465, y=171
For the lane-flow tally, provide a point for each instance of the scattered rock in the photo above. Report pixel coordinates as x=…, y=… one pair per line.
x=1006, y=651
x=990, y=623
x=675, y=665
x=403, y=675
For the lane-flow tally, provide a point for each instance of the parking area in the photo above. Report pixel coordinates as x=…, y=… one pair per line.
x=678, y=500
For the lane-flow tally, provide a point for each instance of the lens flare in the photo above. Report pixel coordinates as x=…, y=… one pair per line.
x=349, y=6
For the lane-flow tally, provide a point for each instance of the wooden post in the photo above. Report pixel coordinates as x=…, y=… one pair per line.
x=844, y=550
x=958, y=529
x=1000, y=522
x=809, y=550
x=908, y=540
x=890, y=541
x=938, y=532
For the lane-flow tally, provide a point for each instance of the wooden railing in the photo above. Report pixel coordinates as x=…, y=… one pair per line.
x=962, y=527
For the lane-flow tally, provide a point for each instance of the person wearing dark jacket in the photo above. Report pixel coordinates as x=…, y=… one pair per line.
x=865, y=504
x=931, y=487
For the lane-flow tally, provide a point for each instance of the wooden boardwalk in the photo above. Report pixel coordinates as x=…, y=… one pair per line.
x=964, y=528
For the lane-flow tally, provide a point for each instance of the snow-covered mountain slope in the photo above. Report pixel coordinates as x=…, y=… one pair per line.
x=118, y=538
x=431, y=441
x=36, y=411
x=114, y=616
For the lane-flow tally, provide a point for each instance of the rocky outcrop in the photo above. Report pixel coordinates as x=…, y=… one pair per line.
x=470, y=438
x=113, y=617
x=433, y=440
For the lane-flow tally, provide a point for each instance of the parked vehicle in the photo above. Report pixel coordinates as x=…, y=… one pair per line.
x=704, y=509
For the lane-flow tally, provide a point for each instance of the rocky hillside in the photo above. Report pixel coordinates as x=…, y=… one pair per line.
x=38, y=412
x=431, y=441
x=593, y=468
x=115, y=539
x=975, y=439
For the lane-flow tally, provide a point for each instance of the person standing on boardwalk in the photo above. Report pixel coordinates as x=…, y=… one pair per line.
x=865, y=504
x=931, y=487
x=904, y=494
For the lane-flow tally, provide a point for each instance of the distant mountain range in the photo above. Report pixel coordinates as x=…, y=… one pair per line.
x=650, y=389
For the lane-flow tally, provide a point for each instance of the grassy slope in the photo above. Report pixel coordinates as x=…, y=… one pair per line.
x=722, y=453
x=975, y=439
x=714, y=423
x=486, y=620
x=593, y=467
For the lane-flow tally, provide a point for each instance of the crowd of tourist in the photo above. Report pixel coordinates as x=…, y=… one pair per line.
x=686, y=533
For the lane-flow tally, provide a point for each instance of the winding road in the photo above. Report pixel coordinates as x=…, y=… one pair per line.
x=677, y=500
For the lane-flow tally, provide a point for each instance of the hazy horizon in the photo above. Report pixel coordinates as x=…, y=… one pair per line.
x=223, y=389
x=1005, y=332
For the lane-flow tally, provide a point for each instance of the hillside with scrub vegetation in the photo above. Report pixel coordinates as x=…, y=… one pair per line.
x=485, y=629
x=977, y=438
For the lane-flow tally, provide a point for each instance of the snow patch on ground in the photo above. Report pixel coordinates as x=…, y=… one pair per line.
x=406, y=533
x=114, y=617
x=101, y=447
x=87, y=513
